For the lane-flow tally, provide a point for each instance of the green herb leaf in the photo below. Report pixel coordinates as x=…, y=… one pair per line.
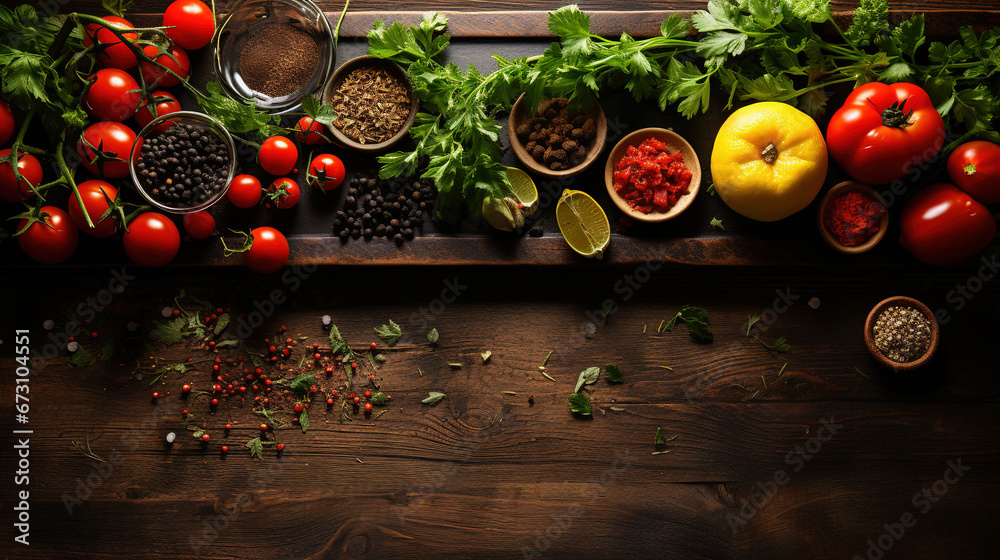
x=659, y=440
x=752, y=320
x=486, y=355
x=117, y=7
x=269, y=414
x=256, y=448
x=221, y=323
x=579, y=404
x=320, y=112
x=612, y=374
x=302, y=382
x=197, y=434
x=168, y=332
x=389, y=333
x=432, y=336
x=338, y=344
x=231, y=343
x=433, y=398
x=588, y=376
x=379, y=399
x=80, y=358
x=780, y=345
x=696, y=320
x=716, y=222
x=239, y=118
x=304, y=420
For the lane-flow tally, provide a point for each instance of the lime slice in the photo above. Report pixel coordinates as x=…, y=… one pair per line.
x=524, y=190
x=583, y=223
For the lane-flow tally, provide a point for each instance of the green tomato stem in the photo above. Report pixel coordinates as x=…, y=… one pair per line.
x=68, y=175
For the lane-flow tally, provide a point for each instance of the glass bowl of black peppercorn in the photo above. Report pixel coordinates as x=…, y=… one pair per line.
x=183, y=162
x=274, y=52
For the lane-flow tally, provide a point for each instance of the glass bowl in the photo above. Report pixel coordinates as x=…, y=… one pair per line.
x=232, y=41
x=151, y=162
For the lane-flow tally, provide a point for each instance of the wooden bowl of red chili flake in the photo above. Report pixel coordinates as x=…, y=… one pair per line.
x=852, y=217
x=653, y=174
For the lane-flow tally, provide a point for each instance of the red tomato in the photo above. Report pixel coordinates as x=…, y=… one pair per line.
x=285, y=193
x=278, y=155
x=92, y=192
x=166, y=103
x=7, y=124
x=309, y=132
x=104, y=149
x=883, y=130
x=111, y=95
x=12, y=189
x=326, y=172
x=943, y=225
x=975, y=168
x=155, y=76
x=51, y=242
x=192, y=23
x=110, y=50
x=199, y=225
x=269, y=251
x=244, y=191
x=152, y=240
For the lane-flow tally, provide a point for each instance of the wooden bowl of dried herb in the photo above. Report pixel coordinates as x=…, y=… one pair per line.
x=374, y=103
x=901, y=333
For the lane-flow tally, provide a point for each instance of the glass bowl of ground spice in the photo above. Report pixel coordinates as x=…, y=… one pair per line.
x=901, y=333
x=374, y=103
x=852, y=217
x=558, y=139
x=275, y=52
x=185, y=167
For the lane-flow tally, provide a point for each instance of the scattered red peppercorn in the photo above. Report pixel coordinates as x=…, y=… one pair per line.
x=229, y=426
x=243, y=389
x=211, y=344
x=184, y=412
x=374, y=345
x=298, y=407
x=368, y=394
x=205, y=437
x=354, y=365
x=216, y=388
x=368, y=407
x=357, y=400
x=225, y=449
x=215, y=367
x=272, y=349
x=177, y=312
x=215, y=402
x=371, y=377
x=329, y=370
x=313, y=388
x=263, y=427
x=329, y=401
x=186, y=388
x=281, y=446
x=93, y=334
x=317, y=356
x=268, y=382
x=156, y=394
x=281, y=329
x=289, y=342
x=258, y=371
x=286, y=352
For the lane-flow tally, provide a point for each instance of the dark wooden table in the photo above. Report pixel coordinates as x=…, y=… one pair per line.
x=827, y=460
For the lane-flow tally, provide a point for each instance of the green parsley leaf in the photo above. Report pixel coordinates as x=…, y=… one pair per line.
x=256, y=448
x=239, y=118
x=696, y=320
x=432, y=336
x=168, y=332
x=780, y=345
x=319, y=112
x=579, y=404
x=612, y=374
x=389, y=333
x=752, y=320
x=80, y=358
x=433, y=398
x=871, y=17
x=221, y=323
x=379, y=399
x=302, y=382
x=716, y=222
x=117, y=7
x=588, y=376
x=338, y=344
x=304, y=420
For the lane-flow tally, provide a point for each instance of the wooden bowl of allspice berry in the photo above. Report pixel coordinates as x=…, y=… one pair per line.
x=558, y=139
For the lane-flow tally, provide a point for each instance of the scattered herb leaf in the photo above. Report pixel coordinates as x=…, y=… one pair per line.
x=716, y=222
x=304, y=419
x=588, y=376
x=432, y=336
x=221, y=323
x=752, y=320
x=389, y=333
x=486, y=355
x=579, y=404
x=612, y=374
x=696, y=320
x=256, y=448
x=780, y=345
x=433, y=398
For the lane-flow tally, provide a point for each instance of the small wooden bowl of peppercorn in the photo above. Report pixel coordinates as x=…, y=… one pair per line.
x=672, y=143
x=901, y=333
x=558, y=140
x=852, y=218
x=374, y=102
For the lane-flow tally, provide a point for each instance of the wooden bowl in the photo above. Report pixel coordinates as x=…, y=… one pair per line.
x=392, y=68
x=518, y=114
x=844, y=188
x=675, y=143
x=870, y=338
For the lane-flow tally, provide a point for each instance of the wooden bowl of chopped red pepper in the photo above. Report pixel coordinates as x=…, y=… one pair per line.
x=852, y=217
x=653, y=174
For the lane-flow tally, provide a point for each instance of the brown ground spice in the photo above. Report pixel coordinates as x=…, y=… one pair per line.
x=278, y=58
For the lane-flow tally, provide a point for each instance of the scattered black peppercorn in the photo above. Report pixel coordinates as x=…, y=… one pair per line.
x=383, y=208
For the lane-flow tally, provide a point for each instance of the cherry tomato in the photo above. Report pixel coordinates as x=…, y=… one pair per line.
x=12, y=189
x=192, y=23
x=883, y=130
x=92, y=192
x=51, y=242
x=943, y=225
x=269, y=251
x=309, y=132
x=112, y=95
x=326, y=172
x=110, y=50
x=975, y=168
x=110, y=143
x=291, y=192
x=166, y=103
x=245, y=191
x=152, y=239
x=278, y=155
x=155, y=76
x=199, y=225
x=7, y=124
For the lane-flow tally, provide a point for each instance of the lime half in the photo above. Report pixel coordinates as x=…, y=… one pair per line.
x=523, y=189
x=583, y=223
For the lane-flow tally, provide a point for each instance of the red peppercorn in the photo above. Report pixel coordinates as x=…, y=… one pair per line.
x=281, y=446
x=263, y=427
x=243, y=389
x=184, y=412
x=368, y=394
x=313, y=388
x=230, y=387
x=216, y=388
x=334, y=392
x=213, y=317
x=215, y=402
x=329, y=401
x=288, y=341
x=368, y=407
x=219, y=310
x=315, y=345
x=211, y=344
x=177, y=312
x=351, y=396
x=205, y=437
x=72, y=338
x=354, y=365
x=357, y=400
x=268, y=382
x=215, y=367
x=266, y=400
x=286, y=352
x=371, y=376
x=249, y=377
x=272, y=349
x=298, y=407
x=329, y=370
x=156, y=394
x=225, y=449
x=281, y=329
x=229, y=426
x=258, y=371
x=186, y=388
x=93, y=334
x=317, y=356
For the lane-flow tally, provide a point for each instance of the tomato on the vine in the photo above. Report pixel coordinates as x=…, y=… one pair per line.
x=7, y=124
x=284, y=192
x=176, y=59
x=975, y=168
x=93, y=194
x=199, y=225
x=191, y=23
x=245, y=191
x=883, y=130
x=111, y=95
x=269, y=251
x=943, y=225
x=278, y=155
x=326, y=172
x=50, y=242
x=166, y=103
x=104, y=149
x=309, y=132
x=152, y=239
x=110, y=50
x=12, y=189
